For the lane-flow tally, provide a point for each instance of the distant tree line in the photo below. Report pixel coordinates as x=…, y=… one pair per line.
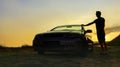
x=23, y=46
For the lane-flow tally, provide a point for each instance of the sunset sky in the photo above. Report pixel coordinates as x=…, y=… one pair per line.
x=20, y=20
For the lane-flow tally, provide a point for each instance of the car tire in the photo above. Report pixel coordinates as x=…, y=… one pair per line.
x=85, y=50
x=90, y=47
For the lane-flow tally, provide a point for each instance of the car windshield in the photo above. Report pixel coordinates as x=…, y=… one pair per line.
x=68, y=28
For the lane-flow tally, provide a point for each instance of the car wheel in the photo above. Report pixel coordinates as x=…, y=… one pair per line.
x=90, y=47
x=84, y=51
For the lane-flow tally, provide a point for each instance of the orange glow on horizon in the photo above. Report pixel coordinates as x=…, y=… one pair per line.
x=112, y=35
x=108, y=37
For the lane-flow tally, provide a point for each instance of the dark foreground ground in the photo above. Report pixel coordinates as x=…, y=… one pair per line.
x=26, y=57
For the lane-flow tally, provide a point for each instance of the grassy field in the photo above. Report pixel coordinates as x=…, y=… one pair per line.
x=26, y=57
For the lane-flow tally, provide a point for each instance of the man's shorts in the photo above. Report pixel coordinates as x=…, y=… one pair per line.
x=101, y=37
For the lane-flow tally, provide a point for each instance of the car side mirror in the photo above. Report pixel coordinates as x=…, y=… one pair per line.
x=88, y=31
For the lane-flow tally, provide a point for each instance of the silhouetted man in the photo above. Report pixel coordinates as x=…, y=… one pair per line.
x=100, y=24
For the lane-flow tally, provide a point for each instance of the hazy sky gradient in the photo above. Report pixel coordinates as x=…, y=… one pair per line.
x=20, y=20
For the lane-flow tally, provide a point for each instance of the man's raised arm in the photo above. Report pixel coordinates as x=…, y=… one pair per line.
x=89, y=24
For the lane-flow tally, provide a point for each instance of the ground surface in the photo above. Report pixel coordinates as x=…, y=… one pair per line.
x=26, y=57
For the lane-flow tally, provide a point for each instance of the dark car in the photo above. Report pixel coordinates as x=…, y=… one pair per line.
x=66, y=38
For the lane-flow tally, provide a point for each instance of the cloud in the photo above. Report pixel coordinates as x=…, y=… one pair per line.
x=113, y=29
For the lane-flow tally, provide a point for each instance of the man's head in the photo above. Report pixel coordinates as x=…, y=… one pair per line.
x=98, y=14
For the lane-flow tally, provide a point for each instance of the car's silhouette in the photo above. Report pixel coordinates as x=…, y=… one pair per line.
x=70, y=38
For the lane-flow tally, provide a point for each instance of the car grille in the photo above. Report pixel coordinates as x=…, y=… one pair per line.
x=61, y=39
x=61, y=35
x=51, y=43
x=53, y=35
x=60, y=44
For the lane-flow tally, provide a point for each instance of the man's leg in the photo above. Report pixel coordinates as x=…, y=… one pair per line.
x=101, y=39
x=104, y=48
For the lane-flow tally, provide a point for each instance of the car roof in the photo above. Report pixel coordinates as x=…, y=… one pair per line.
x=70, y=25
